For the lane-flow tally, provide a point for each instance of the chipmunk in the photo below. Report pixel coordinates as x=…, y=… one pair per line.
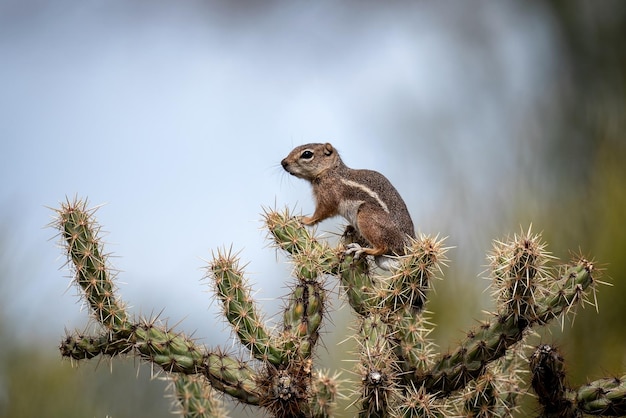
x=365, y=198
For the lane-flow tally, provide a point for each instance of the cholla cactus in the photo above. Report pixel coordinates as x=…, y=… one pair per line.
x=400, y=372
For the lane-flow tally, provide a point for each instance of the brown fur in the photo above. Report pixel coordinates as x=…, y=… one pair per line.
x=367, y=200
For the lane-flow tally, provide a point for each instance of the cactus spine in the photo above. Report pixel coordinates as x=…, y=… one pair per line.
x=400, y=373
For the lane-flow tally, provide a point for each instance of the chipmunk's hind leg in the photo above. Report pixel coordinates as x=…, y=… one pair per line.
x=376, y=227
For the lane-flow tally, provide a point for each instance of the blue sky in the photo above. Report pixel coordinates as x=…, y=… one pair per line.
x=175, y=115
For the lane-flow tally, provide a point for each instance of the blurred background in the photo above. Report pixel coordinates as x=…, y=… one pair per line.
x=488, y=117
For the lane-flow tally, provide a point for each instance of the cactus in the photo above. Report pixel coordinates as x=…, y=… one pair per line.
x=400, y=373
x=606, y=397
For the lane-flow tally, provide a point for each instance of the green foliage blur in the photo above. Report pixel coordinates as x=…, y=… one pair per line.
x=37, y=384
x=588, y=206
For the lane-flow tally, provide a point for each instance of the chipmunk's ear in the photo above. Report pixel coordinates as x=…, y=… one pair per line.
x=328, y=149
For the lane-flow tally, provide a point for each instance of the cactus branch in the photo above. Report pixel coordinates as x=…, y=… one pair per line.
x=80, y=235
x=172, y=351
x=194, y=397
x=491, y=340
x=240, y=310
x=399, y=371
x=303, y=318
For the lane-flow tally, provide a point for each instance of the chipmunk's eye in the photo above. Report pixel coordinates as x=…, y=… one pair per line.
x=307, y=155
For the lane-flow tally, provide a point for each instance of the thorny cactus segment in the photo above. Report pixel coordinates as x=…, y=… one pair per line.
x=195, y=398
x=83, y=347
x=291, y=236
x=232, y=376
x=548, y=381
x=569, y=291
x=240, y=309
x=173, y=351
x=286, y=391
x=323, y=394
x=605, y=397
x=453, y=371
x=490, y=341
x=414, y=347
x=80, y=237
x=482, y=399
x=378, y=367
x=493, y=394
x=507, y=372
x=418, y=403
x=520, y=275
x=176, y=353
x=411, y=281
x=359, y=285
x=303, y=318
x=403, y=297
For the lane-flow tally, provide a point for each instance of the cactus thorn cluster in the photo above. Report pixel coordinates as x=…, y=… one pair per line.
x=399, y=371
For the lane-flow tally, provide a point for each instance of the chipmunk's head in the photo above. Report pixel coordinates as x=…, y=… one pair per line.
x=310, y=160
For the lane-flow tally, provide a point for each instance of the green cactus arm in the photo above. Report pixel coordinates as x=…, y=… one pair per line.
x=526, y=295
x=172, y=352
x=411, y=280
x=378, y=367
x=494, y=393
x=360, y=286
x=225, y=373
x=194, y=398
x=414, y=347
x=418, y=403
x=605, y=397
x=240, y=309
x=569, y=292
x=232, y=376
x=79, y=234
x=490, y=341
x=311, y=258
x=302, y=319
x=323, y=394
x=520, y=276
x=78, y=346
x=481, y=401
